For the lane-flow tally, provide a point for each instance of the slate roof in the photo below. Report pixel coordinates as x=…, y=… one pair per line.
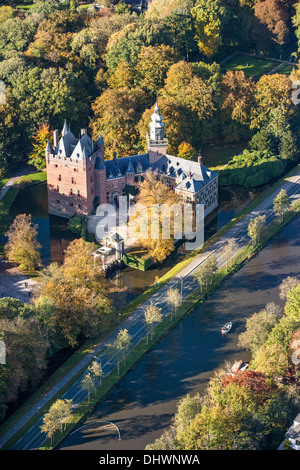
x=191, y=176
x=118, y=166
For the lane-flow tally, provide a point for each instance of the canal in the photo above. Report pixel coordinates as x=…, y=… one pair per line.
x=143, y=403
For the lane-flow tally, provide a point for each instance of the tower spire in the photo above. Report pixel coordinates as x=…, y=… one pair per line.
x=65, y=128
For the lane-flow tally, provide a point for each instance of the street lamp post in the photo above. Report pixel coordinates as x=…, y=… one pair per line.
x=181, y=286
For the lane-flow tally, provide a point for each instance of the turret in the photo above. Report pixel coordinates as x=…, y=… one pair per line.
x=157, y=141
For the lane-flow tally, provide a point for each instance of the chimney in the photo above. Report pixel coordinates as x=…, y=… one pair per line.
x=55, y=138
x=82, y=132
x=199, y=158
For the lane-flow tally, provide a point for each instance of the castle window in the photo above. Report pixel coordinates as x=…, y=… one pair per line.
x=70, y=192
x=71, y=204
x=57, y=189
x=78, y=193
x=115, y=184
x=57, y=201
x=79, y=206
x=106, y=185
x=59, y=177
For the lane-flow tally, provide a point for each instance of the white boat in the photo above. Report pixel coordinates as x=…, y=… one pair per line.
x=226, y=328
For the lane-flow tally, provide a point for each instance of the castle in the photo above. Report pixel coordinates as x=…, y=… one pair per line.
x=79, y=178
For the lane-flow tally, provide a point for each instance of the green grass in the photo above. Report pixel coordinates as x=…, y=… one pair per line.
x=217, y=156
x=25, y=7
x=3, y=182
x=34, y=178
x=251, y=66
x=286, y=69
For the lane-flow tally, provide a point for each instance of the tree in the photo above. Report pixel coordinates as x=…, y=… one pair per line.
x=157, y=232
x=286, y=285
x=272, y=91
x=210, y=18
x=73, y=4
x=271, y=361
x=281, y=204
x=237, y=103
x=206, y=272
x=6, y=12
x=96, y=371
x=270, y=27
x=255, y=228
x=187, y=151
x=117, y=113
x=228, y=252
x=60, y=411
x=258, y=328
x=77, y=289
x=49, y=426
x=153, y=65
x=41, y=137
x=152, y=316
x=174, y=300
x=119, y=348
x=22, y=245
x=292, y=306
x=88, y=385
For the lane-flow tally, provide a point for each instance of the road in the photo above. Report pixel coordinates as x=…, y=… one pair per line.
x=135, y=325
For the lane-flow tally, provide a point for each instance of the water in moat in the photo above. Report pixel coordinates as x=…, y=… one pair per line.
x=54, y=236
x=143, y=403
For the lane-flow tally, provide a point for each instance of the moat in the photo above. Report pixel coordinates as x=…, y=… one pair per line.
x=54, y=235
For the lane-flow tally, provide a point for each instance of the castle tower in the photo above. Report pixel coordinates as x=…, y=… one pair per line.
x=157, y=140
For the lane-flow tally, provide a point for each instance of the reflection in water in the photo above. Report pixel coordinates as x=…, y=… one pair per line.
x=143, y=403
x=53, y=233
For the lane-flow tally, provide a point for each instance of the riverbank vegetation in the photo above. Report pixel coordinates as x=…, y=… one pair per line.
x=96, y=69
x=69, y=305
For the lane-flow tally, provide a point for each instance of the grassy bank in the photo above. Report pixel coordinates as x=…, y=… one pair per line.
x=162, y=329
x=22, y=183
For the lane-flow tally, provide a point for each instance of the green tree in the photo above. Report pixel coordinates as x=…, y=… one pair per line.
x=292, y=306
x=210, y=18
x=272, y=361
x=255, y=228
x=281, y=204
x=258, y=328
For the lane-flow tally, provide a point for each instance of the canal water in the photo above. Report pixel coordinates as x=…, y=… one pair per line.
x=143, y=403
x=54, y=236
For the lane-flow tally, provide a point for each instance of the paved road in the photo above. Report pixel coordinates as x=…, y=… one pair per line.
x=135, y=325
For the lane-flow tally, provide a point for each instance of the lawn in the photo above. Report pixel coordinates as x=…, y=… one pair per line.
x=217, y=156
x=251, y=66
x=286, y=69
x=25, y=7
